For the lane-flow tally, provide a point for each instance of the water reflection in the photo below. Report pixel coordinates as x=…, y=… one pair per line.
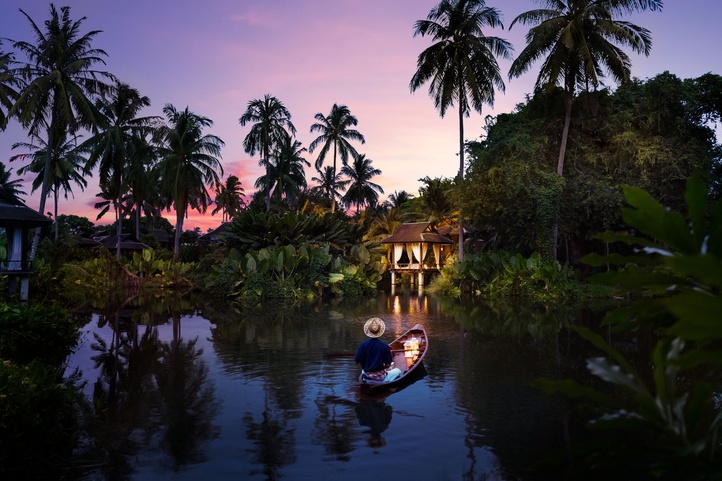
x=150, y=394
x=248, y=393
x=376, y=415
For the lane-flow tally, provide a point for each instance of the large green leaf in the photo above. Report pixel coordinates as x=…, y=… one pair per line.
x=714, y=242
x=597, y=260
x=696, y=197
x=698, y=314
x=600, y=343
x=707, y=269
x=604, y=369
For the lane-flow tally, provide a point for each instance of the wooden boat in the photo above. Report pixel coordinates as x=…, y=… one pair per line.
x=407, y=351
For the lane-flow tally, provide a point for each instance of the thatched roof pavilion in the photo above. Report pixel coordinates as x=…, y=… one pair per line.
x=410, y=245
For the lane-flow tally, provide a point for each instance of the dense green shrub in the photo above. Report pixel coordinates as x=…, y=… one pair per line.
x=39, y=421
x=668, y=426
x=305, y=271
x=502, y=275
x=253, y=231
x=45, y=333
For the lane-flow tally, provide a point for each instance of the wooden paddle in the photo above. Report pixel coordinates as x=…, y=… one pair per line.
x=349, y=353
x=331, y=354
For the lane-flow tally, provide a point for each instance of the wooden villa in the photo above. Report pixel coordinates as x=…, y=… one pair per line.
x=17, y=219
x=416, y=248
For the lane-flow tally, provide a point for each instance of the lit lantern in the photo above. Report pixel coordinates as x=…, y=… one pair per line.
x=411, y=348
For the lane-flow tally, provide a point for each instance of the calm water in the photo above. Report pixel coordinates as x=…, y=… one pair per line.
x=216, y=394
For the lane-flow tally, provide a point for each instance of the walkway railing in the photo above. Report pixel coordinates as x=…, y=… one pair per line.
x=16, y=267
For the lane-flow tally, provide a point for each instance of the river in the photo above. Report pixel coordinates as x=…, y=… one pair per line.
x=220, y=393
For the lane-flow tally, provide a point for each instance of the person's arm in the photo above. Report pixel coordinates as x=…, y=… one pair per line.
x=388, y=359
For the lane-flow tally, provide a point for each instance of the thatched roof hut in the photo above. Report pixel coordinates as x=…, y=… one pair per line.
x=410, y=245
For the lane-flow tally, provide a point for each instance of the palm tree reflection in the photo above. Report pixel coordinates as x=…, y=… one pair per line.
x=274, y=441
x=335, y=430
x=151, y=395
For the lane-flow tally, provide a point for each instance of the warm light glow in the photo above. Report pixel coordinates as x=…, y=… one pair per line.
x=411, y=348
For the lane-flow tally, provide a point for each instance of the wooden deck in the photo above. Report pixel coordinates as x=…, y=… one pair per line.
x=405, y=267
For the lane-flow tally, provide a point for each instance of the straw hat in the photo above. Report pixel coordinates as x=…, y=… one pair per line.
x=374, y=327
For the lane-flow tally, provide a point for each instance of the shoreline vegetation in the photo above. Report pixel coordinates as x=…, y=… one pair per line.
x=670, y=274
x=624, y=206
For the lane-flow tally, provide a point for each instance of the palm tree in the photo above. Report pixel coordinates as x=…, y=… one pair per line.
x=66, y=167
x=434, y=195
x=576, y=39
x=360, y=190
x=59, y=83
x=270, y=118
x=120, y=150
x=335, y=130
x=461, y=66
x=7, y=86
x=328, y=183
x=397, y=199
x=11, y=187
x=190, y=161
x=229, y=198
x=386, y=224
x=286, y=174
x=141, y=179
x=109, y=197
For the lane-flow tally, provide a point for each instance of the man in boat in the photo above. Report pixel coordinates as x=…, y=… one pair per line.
x=374, y=355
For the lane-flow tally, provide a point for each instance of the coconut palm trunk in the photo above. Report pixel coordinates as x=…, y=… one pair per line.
x=568, y=98
x=461, y=66
x=578, y=42
x=44, y=189
x=461, y=167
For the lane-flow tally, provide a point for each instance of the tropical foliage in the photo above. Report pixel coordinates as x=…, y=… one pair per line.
x=254, y=231
x=671, y=427
x=335, y=132
x=229, y=198
x=67, y=166
x=461, y=67
x=269, y=119
x=360, y=190
x=578, y=41
x=189, y=164
x=295, y=272
x=120, y=150
x=8, y=90
x=11, y=187
x=285, y=175
x=502, y=275
x=652, y=134
x=38, y=413
x=328, y=184
x=59, y=84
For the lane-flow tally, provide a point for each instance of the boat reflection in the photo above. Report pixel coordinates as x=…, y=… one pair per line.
x=376, y=416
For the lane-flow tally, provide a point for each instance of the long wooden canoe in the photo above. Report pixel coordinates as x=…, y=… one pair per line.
x=408, y=351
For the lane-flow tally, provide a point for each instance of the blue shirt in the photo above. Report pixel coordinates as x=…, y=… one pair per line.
x=373, y=354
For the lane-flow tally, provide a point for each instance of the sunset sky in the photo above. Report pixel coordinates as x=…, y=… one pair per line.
x=214, y=56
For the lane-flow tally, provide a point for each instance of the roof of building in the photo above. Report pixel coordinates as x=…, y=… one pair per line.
x=449, y=231
x=215, y=234
x=160, y=235
x=13, y=212
x=416, y=232
x=127, y=242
